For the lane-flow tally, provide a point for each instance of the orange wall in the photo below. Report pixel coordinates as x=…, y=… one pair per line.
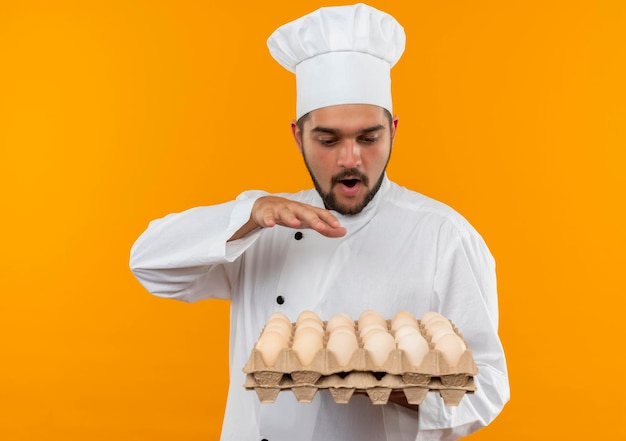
x=116, y=112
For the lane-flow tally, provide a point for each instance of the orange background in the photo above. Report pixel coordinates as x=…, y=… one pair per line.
x=113, y=113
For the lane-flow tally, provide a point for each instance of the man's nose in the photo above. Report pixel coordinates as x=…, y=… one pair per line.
x=350, y=154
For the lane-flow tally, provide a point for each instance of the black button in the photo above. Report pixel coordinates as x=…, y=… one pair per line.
x=298, y=235
x=280, y=300
x=264, y=439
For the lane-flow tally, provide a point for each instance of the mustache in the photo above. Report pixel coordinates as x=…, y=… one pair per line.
x=350, y=173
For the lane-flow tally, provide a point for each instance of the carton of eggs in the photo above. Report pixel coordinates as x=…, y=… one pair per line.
x=370, y=354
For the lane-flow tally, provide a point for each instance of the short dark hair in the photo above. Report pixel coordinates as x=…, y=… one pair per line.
x=304, y=118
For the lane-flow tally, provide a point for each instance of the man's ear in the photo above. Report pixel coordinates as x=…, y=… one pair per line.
x=297, y=135
x=394, y=126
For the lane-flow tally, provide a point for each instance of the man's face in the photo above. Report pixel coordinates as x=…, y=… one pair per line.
x=346, y=149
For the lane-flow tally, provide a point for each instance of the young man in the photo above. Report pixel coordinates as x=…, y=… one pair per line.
x=358, y=241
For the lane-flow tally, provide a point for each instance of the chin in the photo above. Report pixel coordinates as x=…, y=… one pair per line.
x=346, y=209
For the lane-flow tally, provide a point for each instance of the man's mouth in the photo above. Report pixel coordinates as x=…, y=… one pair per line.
x=350, y=178
x=349, y=186
x=350, y=182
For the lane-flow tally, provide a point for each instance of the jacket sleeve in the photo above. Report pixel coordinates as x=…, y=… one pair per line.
x=465, y=291
x=187, y=255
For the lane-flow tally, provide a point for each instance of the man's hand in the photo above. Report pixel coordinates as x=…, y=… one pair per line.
x=269, y=211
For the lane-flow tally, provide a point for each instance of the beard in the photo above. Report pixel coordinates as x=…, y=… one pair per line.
x=329, y=198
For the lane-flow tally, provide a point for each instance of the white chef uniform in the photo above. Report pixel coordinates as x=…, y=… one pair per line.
x=403, y=252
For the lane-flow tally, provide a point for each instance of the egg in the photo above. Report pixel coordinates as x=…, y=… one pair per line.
x=370, y=327
x=434, y=325
x=279, y=316
x=343, y=330
x=431, y=315
x=342, y=327
x=279, y=321
x=403, y=314
x=415, y=348
x=403, y=320
x=306, y=344
x=342, y=344
x=379, y=345
x=370, y=317
x=405, y=330
x=371, y=333
x=338, y=320
x=280, y=327
x=436, y=336
x=305, y=315
x=309, y=323
x=451, y=347
x=269, y=345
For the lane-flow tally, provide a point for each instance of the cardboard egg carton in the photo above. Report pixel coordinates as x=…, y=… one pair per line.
x=362, y=375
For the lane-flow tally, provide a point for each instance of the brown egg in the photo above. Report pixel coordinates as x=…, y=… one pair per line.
x=343, y=330
x=405, y=330
x=342, y=327
x=403, y=314
x=305, y=315
x=451, y=347
x=402, y=320
x=431, y=315
x=370, y=317
x=342, y=343
x=279, y=321
x=280, y=327
x=368, y=328
x=279, y=316
x=436, y=336
x=306, y=344
x=379, y=344
x=269, y=345
x=415, y=348
x=309, y=323
x=339, y=320
x=434, y=325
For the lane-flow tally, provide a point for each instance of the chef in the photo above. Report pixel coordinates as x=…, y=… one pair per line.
x=356, y=241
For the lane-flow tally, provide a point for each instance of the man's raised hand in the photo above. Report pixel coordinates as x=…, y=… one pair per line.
x=269, y=211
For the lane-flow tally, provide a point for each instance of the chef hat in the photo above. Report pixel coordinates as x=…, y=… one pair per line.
x=340, y=55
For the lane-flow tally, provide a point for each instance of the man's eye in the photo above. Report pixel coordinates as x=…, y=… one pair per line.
x=369, y=140
x=327, y=141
